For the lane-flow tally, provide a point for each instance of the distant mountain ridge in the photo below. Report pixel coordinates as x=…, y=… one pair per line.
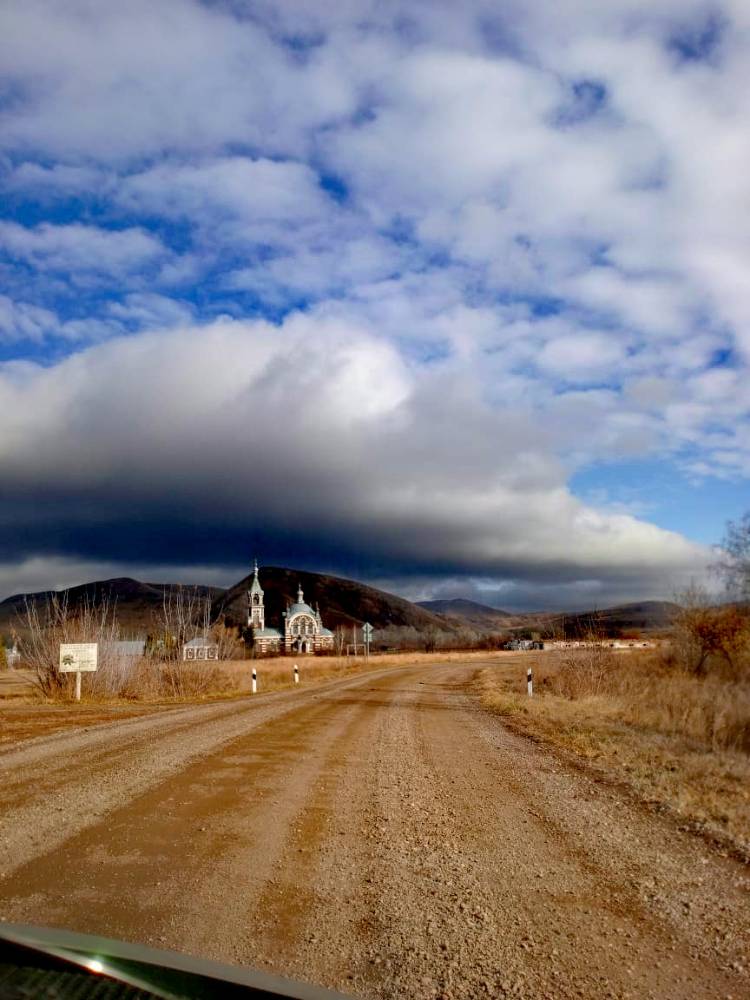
x=344, y=603
x=136, y=604
x=641, y=616
x=478, y=615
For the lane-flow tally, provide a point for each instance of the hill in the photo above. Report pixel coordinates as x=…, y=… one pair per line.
x=643, y=616
x=479, y=616
x=137, y=604
x=342, y=602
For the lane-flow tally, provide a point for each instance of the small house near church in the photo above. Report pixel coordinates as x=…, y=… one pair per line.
x=200, y=649
x=303, y=630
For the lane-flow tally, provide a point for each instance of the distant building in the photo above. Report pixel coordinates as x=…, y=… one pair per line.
x=130, y=648
x=303, y=628
x=12, y=655
x=200, y=649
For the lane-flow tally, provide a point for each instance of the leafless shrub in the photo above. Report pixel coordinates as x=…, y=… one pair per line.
x=584, y=672
x=49, y=623
x=708, y=639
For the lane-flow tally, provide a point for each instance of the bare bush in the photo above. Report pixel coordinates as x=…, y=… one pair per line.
x=584, y=673
x=52, y=622
x=708, y=638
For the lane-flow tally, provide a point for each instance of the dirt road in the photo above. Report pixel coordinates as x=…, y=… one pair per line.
x=381, y=835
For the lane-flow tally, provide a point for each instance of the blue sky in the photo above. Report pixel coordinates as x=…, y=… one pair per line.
x=449, y=297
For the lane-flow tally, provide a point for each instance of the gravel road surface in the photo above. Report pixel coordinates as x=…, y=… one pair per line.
x=382, y=835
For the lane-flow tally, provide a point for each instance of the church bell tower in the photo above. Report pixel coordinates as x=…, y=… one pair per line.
x=256, y=614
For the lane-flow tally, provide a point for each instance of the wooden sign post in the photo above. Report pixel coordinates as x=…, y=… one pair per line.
x=78, y=658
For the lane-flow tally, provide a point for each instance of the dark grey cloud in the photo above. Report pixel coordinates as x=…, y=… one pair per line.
x=311, y=441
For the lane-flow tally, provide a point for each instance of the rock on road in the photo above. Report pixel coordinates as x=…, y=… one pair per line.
x=381, y=835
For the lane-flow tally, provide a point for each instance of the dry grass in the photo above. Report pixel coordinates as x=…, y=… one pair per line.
x=679, y=741
x=150, y=680
x=275, y=673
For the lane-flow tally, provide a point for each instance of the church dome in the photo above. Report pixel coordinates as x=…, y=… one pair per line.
x=299, y=607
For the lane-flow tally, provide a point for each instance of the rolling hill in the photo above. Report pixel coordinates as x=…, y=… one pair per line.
x=472, y=613
x=342, y=602
x=643, y=616
x=137, y=604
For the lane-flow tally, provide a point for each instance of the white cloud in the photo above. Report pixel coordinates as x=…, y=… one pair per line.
x=253, y=190
x=21, y=321
x=121, y=82
x=81, y=249
x=581, y=357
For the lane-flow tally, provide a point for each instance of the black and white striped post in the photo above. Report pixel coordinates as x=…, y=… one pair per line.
x=529, y=683
x=254, y=685
x=296, y=674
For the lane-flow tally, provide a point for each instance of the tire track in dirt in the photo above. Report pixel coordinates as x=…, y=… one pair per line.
x=60, y=784
x=494, y=887
x=169, y=851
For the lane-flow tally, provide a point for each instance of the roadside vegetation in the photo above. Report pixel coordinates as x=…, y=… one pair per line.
x=673, y=722
x=160, y=673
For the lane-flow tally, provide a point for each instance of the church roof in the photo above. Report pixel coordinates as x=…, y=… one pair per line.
x=300, y=609
x=326, y=631
x=266, y=633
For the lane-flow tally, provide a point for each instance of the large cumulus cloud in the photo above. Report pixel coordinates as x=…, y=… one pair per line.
x=313, y=439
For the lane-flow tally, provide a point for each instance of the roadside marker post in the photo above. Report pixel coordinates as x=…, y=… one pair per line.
x=78, y=658
x=254, y=685
x=296, y=674
x=529, y=683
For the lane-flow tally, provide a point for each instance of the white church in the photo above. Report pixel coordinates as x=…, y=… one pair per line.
x=303, y=628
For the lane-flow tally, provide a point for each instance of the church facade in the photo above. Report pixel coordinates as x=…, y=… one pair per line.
x=302, y=630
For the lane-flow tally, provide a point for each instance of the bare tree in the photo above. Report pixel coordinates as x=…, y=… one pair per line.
x=705, y=635
x=734, y=564
x=340, y=640
x=185, y=614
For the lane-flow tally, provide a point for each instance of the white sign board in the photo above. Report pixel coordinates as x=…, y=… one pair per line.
x=77, y=656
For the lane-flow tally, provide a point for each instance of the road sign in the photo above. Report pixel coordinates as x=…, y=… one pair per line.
x=367, y=630
x=76, y=657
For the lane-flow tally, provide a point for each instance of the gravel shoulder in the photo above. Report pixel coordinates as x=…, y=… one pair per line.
x=382, y=835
